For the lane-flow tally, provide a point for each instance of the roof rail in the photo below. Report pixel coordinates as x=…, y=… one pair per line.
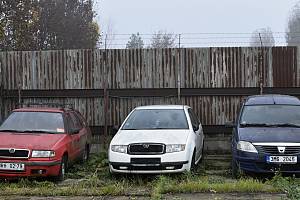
x=52, y=105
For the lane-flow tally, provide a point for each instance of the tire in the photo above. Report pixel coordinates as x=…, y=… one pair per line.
x=63, y=169
x=85, y=154
x=234, y=169
x=193, y=164
x=202, y=153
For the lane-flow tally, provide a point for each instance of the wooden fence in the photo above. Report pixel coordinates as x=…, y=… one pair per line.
x=106, y=84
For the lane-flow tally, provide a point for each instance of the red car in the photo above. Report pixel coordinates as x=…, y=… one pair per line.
x=42, y=141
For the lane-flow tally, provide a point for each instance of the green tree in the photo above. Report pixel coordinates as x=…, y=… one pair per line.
x=67, y=24
x=47, y=24
x=18, y=24
x=293, y=29
x=135, y=42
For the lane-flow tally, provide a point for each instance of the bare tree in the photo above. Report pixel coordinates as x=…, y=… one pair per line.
x=135, y=42
x=293, y=29
x=107, y=37
x=163, y=40
x=262, y=37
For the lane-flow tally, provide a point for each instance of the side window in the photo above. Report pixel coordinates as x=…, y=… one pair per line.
x=194, y=119
x=76, y=121
x=80, y=117
x=69, y=122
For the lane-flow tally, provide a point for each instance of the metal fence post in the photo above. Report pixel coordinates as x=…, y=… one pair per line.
x=1, y=104
x=105, y=97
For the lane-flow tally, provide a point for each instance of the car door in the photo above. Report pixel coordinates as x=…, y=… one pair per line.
x=198, y=133
x=81, y=135
x=73, y=145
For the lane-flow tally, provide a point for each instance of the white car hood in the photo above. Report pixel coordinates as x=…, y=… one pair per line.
x=125, y=137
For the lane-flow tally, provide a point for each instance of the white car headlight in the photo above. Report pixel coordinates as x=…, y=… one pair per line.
x=42, y=154
x=246, y=146
x=170, y=148
x=119, y=148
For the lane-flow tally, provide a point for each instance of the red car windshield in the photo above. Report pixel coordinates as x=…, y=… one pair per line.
x=38, y=122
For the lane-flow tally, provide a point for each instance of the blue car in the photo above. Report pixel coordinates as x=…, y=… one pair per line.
x=266, y=136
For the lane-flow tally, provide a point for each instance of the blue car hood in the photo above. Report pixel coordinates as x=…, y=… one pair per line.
x=269, y=134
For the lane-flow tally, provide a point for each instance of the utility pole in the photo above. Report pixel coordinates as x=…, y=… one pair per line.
x=261, y=86
x=105, y=93
x=179, y=69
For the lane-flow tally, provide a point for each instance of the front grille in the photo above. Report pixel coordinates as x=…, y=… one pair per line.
x=274, y=150
x=146, y=149
x=17, y=153
x=145, y=161
x=148, y=168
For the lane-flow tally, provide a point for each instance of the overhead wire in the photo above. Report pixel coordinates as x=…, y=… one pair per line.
x=209, y=38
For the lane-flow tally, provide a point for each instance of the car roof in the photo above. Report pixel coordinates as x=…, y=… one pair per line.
x=162, y=107
x=39, y=109
x=270, y=99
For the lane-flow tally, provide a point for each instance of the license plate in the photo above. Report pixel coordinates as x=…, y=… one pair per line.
x=282, y=159
x=12, y=166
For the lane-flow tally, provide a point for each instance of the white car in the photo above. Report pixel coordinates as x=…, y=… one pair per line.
x=157, y=139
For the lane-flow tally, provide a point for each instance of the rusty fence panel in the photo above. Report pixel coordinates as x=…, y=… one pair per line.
x=148, y=76
x=285, y=73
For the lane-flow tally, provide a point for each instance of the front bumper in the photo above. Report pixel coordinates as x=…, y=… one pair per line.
x=149, y=164
x=174, y=167
x=32, y=169
x=253, y=162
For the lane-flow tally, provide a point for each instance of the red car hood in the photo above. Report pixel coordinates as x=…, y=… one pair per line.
x=29, y=141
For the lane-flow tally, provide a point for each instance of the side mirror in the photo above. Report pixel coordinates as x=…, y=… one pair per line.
x=115, y=129
x=195, y=128
x=74, y=131
x=230, y=124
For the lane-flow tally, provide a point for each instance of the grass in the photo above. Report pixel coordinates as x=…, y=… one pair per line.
x=93, y=179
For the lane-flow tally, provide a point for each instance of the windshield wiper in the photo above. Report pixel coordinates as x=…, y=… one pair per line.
x=255, y=125
x=37, y=131
x=10, y=130
x=286, y=125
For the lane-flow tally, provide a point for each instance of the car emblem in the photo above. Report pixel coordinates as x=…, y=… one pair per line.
x=146, y=146
x=11, y=150
x=281, y=149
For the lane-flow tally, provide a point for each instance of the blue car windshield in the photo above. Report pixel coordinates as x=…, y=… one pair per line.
x=271, y=115
x=41, y=122
x=156, y=119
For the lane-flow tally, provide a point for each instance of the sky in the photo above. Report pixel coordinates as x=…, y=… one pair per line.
x=194, y=16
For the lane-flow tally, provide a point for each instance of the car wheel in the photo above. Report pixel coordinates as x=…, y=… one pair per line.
x=63, y=169
x=202, y=153
x=85, y=154
x=234, y=169
x=193, y=164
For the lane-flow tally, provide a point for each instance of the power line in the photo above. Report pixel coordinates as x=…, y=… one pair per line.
x=203, y=33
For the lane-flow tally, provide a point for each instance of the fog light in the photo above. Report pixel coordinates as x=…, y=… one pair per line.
x=123, y=167
x=171, y=167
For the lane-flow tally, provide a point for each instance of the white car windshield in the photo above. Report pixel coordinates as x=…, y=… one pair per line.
x=156, y=119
